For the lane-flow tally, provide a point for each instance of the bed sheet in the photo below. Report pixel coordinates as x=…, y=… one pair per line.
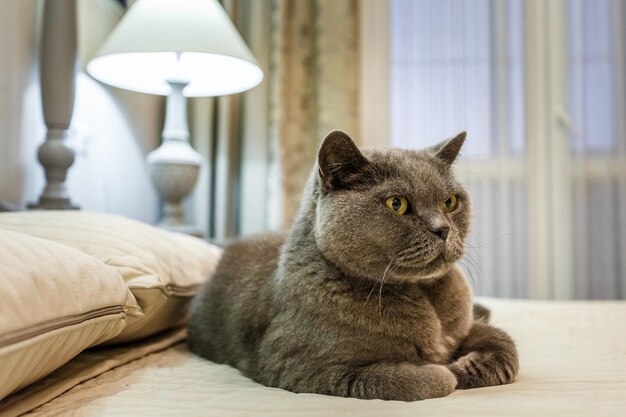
x=572, y=355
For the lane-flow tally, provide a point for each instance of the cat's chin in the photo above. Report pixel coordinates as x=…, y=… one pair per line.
x=435, y=268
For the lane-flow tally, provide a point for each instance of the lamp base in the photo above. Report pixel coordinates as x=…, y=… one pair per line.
x=53, y=204
x=174, y=181
x=174, y=166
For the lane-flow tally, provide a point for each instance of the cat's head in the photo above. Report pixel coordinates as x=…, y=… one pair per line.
x=395, y=213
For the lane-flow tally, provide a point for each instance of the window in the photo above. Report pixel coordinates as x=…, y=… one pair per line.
x=540, y=88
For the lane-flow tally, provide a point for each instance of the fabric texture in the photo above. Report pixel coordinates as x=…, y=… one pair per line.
x=83, y=367
x=572, y=357
x=55, y=302
x=163, y=270
x=314, y=78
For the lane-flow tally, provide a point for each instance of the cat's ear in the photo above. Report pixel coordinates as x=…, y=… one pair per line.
x=449, y=149
x=339, y=161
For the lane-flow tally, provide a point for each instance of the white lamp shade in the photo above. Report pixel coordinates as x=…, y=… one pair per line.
x=190, y=41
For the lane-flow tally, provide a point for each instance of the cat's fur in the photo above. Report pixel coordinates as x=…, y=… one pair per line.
x=357, y=301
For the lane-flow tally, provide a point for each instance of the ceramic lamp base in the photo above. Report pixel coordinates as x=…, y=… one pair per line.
x=174, y=181
x=175, y=165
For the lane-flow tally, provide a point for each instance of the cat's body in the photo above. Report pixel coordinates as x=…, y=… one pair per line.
x=332, y=309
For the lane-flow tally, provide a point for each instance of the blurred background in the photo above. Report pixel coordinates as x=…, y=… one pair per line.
x=539, y=86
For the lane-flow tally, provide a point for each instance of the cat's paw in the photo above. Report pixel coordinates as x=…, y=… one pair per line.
x=464, y=370
x=405, y=382
x=491, y=359
x=476, y=370
x=437, y=381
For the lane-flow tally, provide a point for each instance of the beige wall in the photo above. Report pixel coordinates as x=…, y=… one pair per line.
x=114, y=129
x=19, y=116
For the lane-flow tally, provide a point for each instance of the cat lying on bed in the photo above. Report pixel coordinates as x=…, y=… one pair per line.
x=362, y=298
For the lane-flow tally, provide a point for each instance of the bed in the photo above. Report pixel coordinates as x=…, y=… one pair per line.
x=572, y=355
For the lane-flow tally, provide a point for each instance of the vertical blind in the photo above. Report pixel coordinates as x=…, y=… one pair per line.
x=460, y=65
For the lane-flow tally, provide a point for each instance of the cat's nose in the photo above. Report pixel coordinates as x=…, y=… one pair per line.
x=441, y=231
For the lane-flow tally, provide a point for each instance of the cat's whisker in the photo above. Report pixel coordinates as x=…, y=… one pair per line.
x=378, y=281
x=468, y=272
x=489, y=243
x=469, y=257
x=369, y=295
x=471, y=265
x=380, y=291
x=476, y=263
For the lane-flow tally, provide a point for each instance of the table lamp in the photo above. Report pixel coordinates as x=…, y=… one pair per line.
x=179, y=49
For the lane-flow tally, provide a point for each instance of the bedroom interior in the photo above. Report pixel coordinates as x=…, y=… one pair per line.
x=98, y=263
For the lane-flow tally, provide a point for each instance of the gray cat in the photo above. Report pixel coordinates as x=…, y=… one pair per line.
x=362, y=298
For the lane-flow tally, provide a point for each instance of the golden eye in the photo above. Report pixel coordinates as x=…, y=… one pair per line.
x=397, y=204
x=450, y=204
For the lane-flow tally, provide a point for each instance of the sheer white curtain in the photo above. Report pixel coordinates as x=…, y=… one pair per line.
x=540, y=88
x=597, y=151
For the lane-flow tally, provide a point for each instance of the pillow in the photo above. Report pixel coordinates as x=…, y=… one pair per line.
x=162, y=269
x=54, y=302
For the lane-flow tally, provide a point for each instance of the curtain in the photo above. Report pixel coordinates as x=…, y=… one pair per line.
x=315, y=62
x=597, y=151
x=261, y=145
x=540, y=88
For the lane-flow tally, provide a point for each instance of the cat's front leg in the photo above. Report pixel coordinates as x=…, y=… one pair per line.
x=486, y=357
x=384, y=381
x=436, y=350
x=432, y=346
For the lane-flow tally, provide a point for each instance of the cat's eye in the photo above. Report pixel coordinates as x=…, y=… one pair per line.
x=397, y=204
x=450, y=204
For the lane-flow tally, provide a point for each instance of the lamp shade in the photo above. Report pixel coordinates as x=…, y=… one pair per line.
x=189, y=41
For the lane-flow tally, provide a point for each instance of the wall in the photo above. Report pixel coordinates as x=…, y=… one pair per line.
x=114, y=129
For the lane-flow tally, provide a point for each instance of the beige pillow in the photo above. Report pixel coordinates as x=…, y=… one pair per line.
x=54, y=302
x=162, y=269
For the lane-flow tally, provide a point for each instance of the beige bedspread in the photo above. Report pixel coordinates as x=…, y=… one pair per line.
x=572, y=354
